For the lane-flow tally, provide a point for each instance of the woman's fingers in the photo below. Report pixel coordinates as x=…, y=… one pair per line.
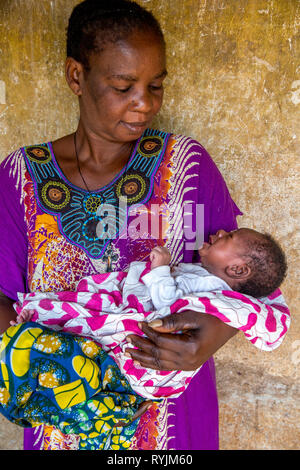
x=198, y=337
x=187, y=320
x=150, y=355
x=164, y=351
x=157, y=359
x=164, y=341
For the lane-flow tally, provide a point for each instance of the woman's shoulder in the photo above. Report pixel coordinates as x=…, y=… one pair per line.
x=188, y=151
x=15, y=163
x=11, y=167
x=185, y=145
x=12, y=171
x=183, y=139
x=11, y=158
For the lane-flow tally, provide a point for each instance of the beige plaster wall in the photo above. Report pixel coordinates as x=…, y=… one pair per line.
x=234, y=84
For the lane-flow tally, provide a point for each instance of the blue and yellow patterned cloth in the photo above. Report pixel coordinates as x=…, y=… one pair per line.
x=68, y=382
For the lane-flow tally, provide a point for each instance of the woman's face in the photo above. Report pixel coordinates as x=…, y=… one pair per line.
x=123, y=90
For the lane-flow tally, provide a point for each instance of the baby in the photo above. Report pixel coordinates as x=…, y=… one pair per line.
x=243, y=260
x=107, y=307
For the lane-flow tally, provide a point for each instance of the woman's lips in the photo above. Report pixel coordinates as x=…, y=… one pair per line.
x=135, y=127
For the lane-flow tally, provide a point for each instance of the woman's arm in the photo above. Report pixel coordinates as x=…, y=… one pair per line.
x=217, y=316
x=13, y=237
x=7, y=312
x=201, y=336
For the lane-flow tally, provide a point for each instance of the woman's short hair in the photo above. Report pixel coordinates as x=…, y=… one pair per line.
x=94, y=23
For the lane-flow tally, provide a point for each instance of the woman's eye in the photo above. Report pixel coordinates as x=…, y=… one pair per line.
x=156, y=87
x=122, y=90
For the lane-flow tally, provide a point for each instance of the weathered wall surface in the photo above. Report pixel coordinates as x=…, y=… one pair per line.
x=234, y=84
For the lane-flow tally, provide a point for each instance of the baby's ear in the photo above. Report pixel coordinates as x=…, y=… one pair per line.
x=238, y=271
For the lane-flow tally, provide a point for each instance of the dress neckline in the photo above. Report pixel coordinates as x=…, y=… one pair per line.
x=103, y=188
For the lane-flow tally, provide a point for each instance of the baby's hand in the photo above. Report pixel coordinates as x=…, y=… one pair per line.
x=159, y=256
x=23, y=317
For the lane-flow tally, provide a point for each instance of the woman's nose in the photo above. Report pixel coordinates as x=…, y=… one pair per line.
x=142, y=102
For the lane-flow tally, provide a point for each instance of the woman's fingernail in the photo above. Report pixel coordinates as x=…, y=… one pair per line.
x=155, y=323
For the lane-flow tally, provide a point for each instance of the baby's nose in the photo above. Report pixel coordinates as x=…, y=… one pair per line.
x=221, y=233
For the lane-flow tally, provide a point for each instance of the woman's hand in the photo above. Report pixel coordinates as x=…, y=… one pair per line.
x=200, y=336
x=7, y=312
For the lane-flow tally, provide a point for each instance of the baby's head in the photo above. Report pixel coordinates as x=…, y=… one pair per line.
x=250, y=262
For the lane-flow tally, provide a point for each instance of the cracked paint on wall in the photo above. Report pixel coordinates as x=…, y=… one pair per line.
x=234, y=85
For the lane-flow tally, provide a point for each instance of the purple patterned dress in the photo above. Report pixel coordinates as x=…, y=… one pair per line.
x=50, y=238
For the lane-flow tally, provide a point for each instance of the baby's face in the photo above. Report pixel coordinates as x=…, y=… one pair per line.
x=224, y=249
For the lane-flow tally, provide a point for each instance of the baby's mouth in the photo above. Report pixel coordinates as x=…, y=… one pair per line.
x=205, y=245
x=209, y=243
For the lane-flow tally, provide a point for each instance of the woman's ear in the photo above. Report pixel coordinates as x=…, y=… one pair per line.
x=238, y=271
x=74, y=72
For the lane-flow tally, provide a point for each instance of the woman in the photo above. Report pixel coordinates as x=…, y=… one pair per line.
x=54, y=232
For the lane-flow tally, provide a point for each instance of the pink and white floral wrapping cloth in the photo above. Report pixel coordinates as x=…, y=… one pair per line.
x=107, y=307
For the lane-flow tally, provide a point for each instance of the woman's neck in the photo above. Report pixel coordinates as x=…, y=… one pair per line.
x=100, y=151
x=99, y=160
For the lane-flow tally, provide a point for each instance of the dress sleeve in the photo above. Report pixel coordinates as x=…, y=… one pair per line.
x=13, y=232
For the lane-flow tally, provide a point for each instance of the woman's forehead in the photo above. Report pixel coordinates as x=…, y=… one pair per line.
x=122, y=58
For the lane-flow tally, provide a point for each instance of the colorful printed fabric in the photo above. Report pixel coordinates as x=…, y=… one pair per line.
x=39, y=252
x=108, y=307
x=68, y=383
